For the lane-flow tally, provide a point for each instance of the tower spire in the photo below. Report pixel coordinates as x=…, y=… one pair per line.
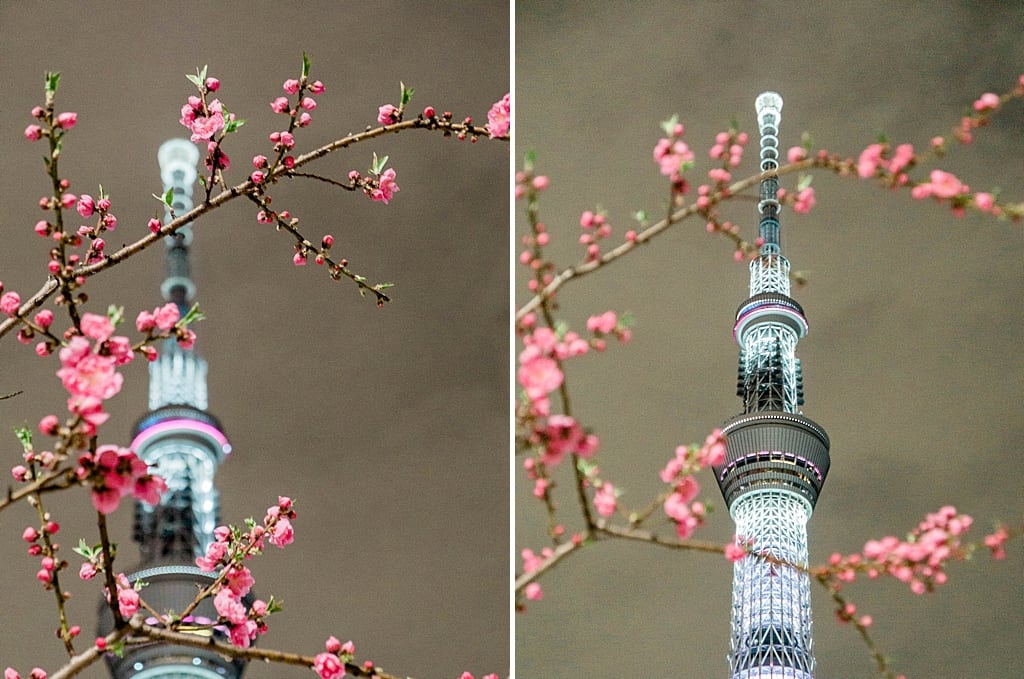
x=184, y=444
x=776, y=459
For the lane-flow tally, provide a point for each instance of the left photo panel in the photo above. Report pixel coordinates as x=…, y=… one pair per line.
x=254, y=339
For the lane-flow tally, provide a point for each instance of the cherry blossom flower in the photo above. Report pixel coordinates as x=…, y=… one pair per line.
x=386, y=187
x=499, y=117
x=734, y=552
x=387, y=114
x=533, y=591
x=604, y=500
x=33, y=133
x=67, y=120
x=329, y=666
x=10, y=303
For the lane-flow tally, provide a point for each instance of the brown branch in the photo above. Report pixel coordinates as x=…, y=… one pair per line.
x=52, y=284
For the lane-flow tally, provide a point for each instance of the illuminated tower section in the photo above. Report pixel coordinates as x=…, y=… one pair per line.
x=184, y=444
x=776, y=459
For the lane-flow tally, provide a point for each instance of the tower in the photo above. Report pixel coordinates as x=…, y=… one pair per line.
x=184, y=444
x=776, y=459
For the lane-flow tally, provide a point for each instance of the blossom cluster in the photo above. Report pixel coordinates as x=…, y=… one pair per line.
x=112, y=473
x=499, y=118
x=674, y=156
x=917, y=561
x=681, y=505
x=331, y=663
x=230, y=548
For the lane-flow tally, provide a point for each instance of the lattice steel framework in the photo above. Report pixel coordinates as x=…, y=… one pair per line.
x=184, y=444
x=771, y=620
x=776, y=459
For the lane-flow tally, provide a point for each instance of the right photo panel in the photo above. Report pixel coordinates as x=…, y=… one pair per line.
x=766, y=363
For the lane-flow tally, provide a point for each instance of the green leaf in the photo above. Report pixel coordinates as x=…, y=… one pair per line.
x=378, y=163
x=406, y=93
x=804, y=182
x=193, y=315
x=640, y=216
x=24, y=435
x=52, y=80
x=84, y=549
x=169, y=197
x=232, y=125
x=383, y=286
x=115, y=314
x=305, y=65
x=194, y=79
x=669, y=126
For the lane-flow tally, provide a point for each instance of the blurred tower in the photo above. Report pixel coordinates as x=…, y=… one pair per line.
x=184, y=444
x=776, y=459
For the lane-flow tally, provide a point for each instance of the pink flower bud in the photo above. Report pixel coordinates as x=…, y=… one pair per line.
x=326, y=243
x=9, y=303
x=212, y=84
x=333, y=645
x=33, y=133
x=289, y=162
x=259, y=162
x=38, y=111
x=429, y=112
x=299, y=259
x=308, y=103
x=67, y=120
x=154, y=225
x=279, y=105
x=68, y=200
x=304, y=119
x=387, y=114
x=257, y=177
x=19, y=472
x=44, y=319
x=291, y=86
x=317, y=87
x=48, y=563
x=52, y=527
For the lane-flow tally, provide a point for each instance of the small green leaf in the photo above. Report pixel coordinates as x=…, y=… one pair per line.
x=115, y=314
x=406, y=93
x=669, y=126
x=52, y=80
x=378, y=163
x=193, y=315
x=84, y=549
x=24, y=435
x=169, y=197
x=194, y=79
x=804, y=182
x=383, y=286
x=640, y=216
x=305, y=65
x=232, y=125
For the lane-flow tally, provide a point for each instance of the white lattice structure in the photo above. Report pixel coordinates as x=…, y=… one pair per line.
x=776, y=459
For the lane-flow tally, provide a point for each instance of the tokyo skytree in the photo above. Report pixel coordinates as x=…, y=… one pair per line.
x=776, y=459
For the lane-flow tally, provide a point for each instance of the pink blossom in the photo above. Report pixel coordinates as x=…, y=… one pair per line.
x=332, y=645
x=387, y=114
x=796, y=154
x=67, y=120
x=869, y=160
x=279, y=105
x=87, y=374
x=33, y=133
x=239, y=580
x=672, y=155
x=229, y=606
x=97, y=327
x=291, y=86
x=308, y=103
x=282, y=534
x=243, y=633
x=805, y=200
x=605, y=323
x=986, y=102
x=386, y=187
x=186, y=339
x=712, y=453
x=127, y=602
x=86, y=206
x=539, y=376
x=166, y=316
x=604, y=499
x=316, y=87
x=328, y=666
x=734, y=552
x=901, y=158
x=941, y=185
x=87, y=571
x=9, y=303
x=534, y=592
x=984, y=201
x=499, y=117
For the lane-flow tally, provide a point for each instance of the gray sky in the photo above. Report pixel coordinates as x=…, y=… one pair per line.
x=912, y=363
x=389, y=427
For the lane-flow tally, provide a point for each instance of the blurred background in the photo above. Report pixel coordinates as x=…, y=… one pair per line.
x=912, y=363
x=388, y=426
